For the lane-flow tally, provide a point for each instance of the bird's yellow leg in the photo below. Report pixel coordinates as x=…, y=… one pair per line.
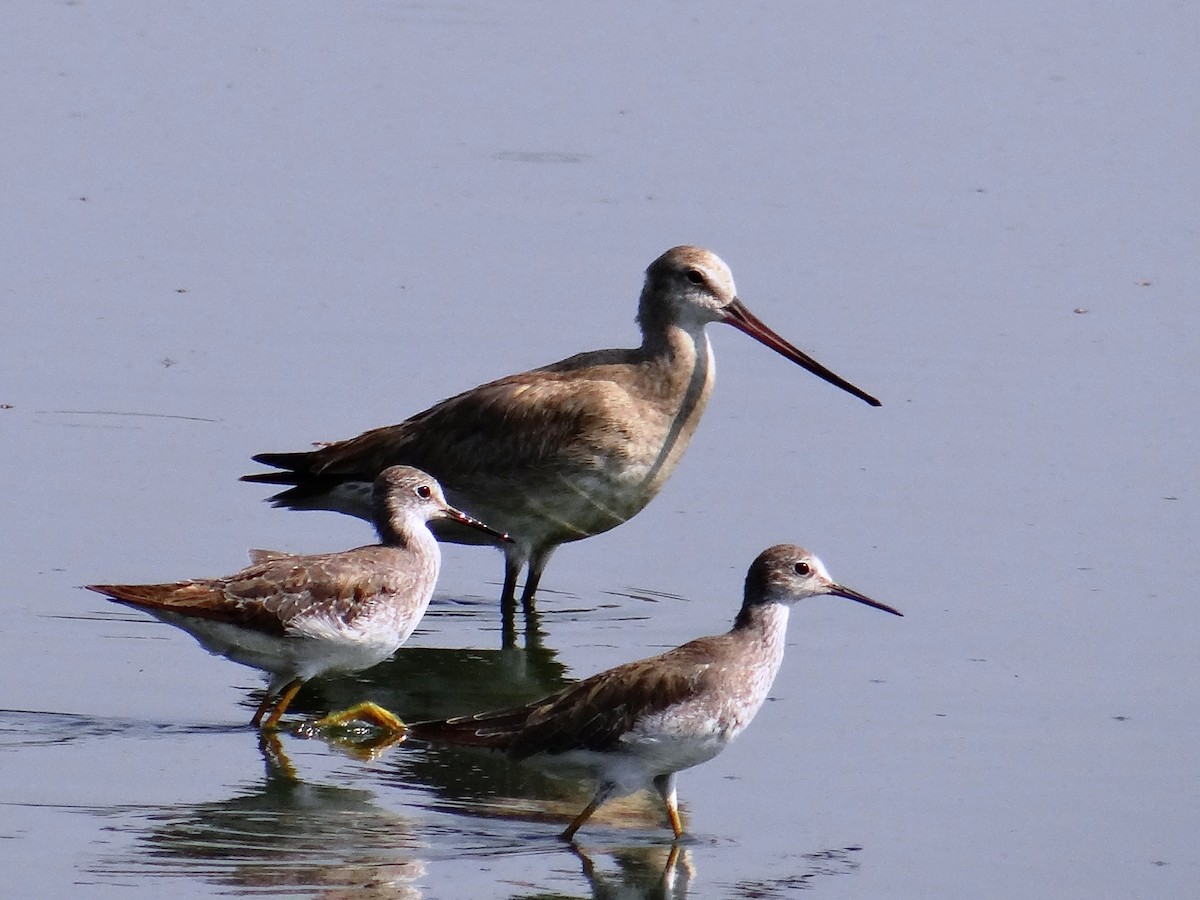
x=262, y=709
x=285, y=697
x=673, y=815
x=569, y=834
x=665, y=784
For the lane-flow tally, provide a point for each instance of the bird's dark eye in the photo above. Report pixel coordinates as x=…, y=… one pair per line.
x=802, y=568
x=424, y=491
x=695, y=276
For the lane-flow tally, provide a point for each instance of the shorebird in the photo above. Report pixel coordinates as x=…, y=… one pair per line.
x=563, y=452
x=635, y=726
x=297, y=617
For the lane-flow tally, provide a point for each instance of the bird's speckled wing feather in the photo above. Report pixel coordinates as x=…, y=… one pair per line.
x=592, y=714
x=270, y=595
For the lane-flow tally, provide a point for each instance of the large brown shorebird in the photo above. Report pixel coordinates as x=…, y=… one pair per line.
x=563, y=452
x=297, y=617
x=635, y=726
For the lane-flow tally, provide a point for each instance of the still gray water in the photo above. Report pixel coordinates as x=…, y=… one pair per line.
x=232, y=229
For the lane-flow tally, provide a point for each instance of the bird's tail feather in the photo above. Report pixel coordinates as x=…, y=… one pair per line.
x=496, y=730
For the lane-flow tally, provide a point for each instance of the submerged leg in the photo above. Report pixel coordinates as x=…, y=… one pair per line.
x=665, y=785
x=515, y=557
x=514, y=561
x=533, y=627
x=531, y=586
x=508, y=605
x=285, y=697
x=537, y=565
x=508, y=593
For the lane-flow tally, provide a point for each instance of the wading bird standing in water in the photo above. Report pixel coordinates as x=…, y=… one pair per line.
x=563, y=452
x=297, y=617
x=635, y=726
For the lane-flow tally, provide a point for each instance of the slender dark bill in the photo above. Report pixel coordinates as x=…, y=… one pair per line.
x=745, y=321
x=459, y=516
x=838, y=591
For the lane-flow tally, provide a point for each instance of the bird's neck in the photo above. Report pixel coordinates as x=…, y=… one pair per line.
x=666, y=336
x=765, y=625
x=677, y=377
x=408, y=534
x=681, y=360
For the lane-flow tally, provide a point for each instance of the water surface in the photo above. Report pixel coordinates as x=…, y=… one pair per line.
x=232, y=229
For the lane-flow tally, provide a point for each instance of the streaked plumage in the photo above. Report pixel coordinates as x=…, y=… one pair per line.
x=297, y=617
x=562, y=452
x=638, y=724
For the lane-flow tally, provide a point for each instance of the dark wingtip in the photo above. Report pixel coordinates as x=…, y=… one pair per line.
x=296, y=461
x=271, y=478
x=118, y=593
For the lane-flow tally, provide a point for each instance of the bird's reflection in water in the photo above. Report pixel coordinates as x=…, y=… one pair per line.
x=654, y=872
x=423, y=683
x=667, y=871
x=282, y=835
x=427, y=682
x=486, y=784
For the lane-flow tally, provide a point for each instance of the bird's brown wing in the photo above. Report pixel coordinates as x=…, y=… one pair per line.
x=472, y=432
x=592, y=714
x=260, y=556
x=270, y=595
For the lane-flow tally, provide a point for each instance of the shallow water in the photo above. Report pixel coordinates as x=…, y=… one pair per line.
x=233, y=229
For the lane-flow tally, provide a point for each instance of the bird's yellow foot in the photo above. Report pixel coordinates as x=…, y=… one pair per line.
x=341, y=730
x=371, y=713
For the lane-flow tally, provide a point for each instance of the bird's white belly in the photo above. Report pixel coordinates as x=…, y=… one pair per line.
x=296, y=655
x=638, y=760
x=669, y=751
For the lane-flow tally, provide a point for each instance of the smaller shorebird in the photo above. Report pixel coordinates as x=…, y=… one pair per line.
x=635, y=726
x=566, y=451
x=297, y=617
